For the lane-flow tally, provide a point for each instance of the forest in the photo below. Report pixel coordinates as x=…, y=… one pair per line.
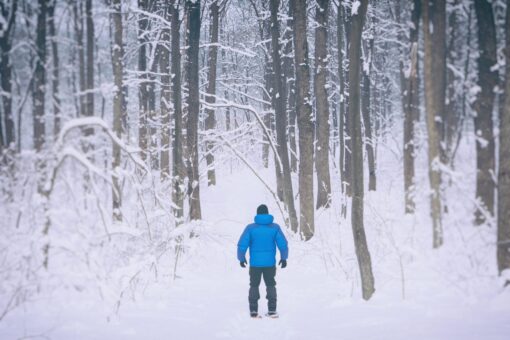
x=138, y=137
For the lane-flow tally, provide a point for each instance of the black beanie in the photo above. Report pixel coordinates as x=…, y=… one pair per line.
x=262, y=210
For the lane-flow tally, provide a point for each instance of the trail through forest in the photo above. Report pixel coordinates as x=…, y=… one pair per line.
x=208, y=298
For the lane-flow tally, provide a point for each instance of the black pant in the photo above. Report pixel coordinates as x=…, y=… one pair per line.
x=253, y=296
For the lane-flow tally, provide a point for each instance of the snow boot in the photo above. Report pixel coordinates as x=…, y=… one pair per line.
x=272, y=314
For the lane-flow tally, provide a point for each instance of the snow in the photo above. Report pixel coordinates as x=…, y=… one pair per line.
x=318, y=292
x=355, y=7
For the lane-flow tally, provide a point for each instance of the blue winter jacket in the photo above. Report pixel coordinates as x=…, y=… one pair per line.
x=262, y=237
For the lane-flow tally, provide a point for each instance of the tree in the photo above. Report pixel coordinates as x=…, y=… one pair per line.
x=90, y=58
x=434, y=22
x=117, y=66
x=166, y=96
x=484, y=105
x=178, y=167
x=78, y=29
x=7, y=29
x=55, y=71
x=341, y=109
x=304, y=120
x=358, y=229
x=143, y=89
x=39, y=83
x=210, y=120
x=279, y=99
x=322, y=105
x=503, y=240
x=365, y=109
x=410, y=104
x=193, y=21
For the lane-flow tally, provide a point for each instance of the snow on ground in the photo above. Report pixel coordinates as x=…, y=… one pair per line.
x=419, y=293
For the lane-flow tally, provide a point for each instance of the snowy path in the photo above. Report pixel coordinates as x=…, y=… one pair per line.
x=209, y=299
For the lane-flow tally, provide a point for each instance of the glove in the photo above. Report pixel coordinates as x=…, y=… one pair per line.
x=243, y=263
x=283, y=263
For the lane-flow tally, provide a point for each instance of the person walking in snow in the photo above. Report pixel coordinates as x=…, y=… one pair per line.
x=262, y=238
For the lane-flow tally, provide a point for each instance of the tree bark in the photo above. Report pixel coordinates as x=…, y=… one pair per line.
x=503, y=240
x=410, y=103
x=143, y=91
x=178, y=167
x=322, y=105
x=55, y=71
x=484, y=106
x=434, y=22
x=7, y=27
x=366, y=114
x=78, y=29
x=279, y=100
x=39, y=83
x=358, y=229
x=166, y=97
x=117, y=66
x=193, y=12
x=304, y=120
x=210, y=120
x=90, y=58
x=341, y=109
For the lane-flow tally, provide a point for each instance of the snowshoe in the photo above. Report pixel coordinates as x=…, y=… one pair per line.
x=272, y=315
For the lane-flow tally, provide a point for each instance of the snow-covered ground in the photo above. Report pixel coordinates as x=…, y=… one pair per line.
x=420, y=293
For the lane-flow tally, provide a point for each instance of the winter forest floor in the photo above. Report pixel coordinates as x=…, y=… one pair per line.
x=420, y=293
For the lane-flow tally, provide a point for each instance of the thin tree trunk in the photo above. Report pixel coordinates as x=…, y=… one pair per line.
x=39, y=83
x=7, y=27
x=193, y=12
x=484, y=106
x=78, y=29
x=348, y=118
x=358, y=229
x=166, y=98
x=341, y=110
x=178, y=167
x=117, y=56
x=366, y=114
x=55, y=69
x=434, y=22
x=503, y=248
x=279, y=99
x=143, y=93
x=290, y=86
x=410, y=100
x=210, y=120
x=322, y=105
x=90, y=58
x=304, y=120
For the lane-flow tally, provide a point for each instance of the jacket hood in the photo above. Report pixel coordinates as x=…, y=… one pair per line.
x=264, y=219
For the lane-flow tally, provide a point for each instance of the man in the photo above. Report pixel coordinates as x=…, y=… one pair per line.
x=262, y=237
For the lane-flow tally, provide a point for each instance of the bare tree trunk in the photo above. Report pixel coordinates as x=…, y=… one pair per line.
x=90, y=59
x=366, y=114
x=348, y=118
x=410, y=101
x=290, y=89
x=178, y=167
x=503, y=249
x=7, y=28
x=39, y=83
x=358, y=229
x=166, y=97
x=484, y=106
x=322, y=105
x=117, y=56
x=78, y=29
x=434, y=22
x=341, y=110
x=305, y=121
x=55, y=69
x=210, y=120
x=279, y=100
x=143, y=93
x=193, y=12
